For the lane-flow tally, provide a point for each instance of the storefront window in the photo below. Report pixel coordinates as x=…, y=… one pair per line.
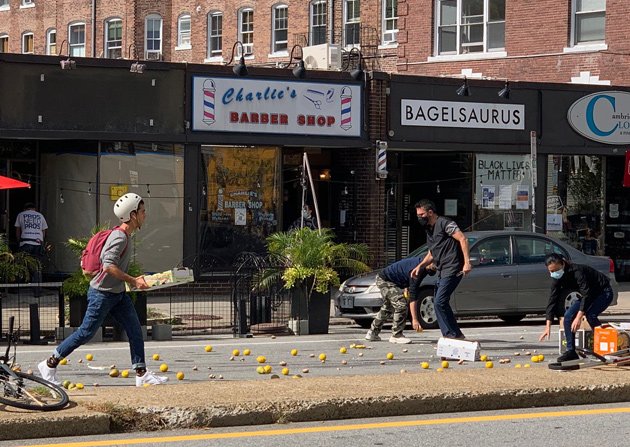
x=503, y=192
x=240, y=206
x=575, y=201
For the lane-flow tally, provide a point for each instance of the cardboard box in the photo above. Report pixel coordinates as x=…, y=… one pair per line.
x=458, y=349
x=583, y=340
x=168, y=278
x=610, y=339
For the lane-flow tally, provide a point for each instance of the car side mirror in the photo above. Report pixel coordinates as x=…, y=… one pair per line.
x=474, y=261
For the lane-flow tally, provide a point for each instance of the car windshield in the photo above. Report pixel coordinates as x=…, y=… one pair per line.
x=421, y=251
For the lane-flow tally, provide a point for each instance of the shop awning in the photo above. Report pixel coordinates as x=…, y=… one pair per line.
x=10, y=183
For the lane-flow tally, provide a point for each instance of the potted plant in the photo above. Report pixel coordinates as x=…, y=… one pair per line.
x=15, y=267
x=310, y=262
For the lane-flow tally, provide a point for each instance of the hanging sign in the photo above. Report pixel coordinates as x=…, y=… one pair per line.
x=602, y=116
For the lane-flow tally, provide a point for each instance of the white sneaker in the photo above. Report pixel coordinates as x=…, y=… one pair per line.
x=48, y=373
x=371, y=336
x=150, y=378
x=399, y=339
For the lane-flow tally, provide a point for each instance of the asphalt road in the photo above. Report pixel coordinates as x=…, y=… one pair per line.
x=597, y=425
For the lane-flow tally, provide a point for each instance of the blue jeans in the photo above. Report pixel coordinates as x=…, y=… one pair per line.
x=121, y=308
x=597, y=307
x=444, y=288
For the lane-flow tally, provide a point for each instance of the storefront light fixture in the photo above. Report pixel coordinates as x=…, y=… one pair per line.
x=464, y=90
x=324, y=174
x=66, y=64
x=299, y=71
x=505, y=91
x=239, y=69
x=357, y=73
x=136, y=67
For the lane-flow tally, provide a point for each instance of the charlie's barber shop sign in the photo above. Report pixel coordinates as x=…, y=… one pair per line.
x=603, y=117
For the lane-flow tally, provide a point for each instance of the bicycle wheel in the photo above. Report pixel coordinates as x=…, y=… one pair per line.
x=31, y=393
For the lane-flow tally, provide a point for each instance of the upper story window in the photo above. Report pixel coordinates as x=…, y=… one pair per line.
x=280, y=28
x=470, y=26
x=28, y=3
x=246, y=30
x=390, y=21
x=51, y=42
x=183, y=31
x=589, y=21
x=153, y=37
x=76, y=39
x=351, y=22
x=4, y=43
x=4, y=4
x=215, y=34
x=113, y=39
x=27, y=43
x=319, y=25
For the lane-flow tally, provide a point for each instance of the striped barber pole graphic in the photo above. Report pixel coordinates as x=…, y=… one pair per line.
x=208, y=101
x=346, y=108
x=381, y=161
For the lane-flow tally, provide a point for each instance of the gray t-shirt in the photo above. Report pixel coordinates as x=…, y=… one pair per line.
x=447, y=252
x=115, y=252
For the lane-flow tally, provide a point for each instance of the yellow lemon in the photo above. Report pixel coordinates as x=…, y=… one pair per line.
x=163, y=367
x=518, y=365
x=80, y=386
x=180, y=375
x=261, y=359
x=541, y=358
x=444, y=364
x=66, y=384
x=113, y=373
x=439, y=370
x=534, y=359
x=260, y=370
x=322, y=356
x=285, y=371
x=526, y=365
x=246, y=352
x=236, y=353
x=343, y=350
x=483, y=358
x=294, y=352
x=208, y=348
x=267, y=369
x=425, y=365
x=156, y=357
x=124, y=373
x=146, y=385
x=63, y=361
x=489, y=365
x=89, y=357
x=390, y=356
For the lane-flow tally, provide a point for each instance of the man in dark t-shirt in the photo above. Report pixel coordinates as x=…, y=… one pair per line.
x=448, y=251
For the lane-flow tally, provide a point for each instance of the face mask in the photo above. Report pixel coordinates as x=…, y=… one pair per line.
x=557, y=274
x=424, y=221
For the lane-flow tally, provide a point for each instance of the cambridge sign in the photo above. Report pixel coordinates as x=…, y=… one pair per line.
x=602, y=116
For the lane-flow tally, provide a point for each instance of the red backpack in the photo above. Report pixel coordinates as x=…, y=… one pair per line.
x=91, y=255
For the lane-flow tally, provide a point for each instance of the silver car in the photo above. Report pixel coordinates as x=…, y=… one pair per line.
x=509, y=280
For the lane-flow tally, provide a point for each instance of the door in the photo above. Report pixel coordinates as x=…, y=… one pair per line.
x=491, y=285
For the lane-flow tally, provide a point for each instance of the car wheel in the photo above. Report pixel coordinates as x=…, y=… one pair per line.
x=512, y=319
x=365, y=323
x=571, y=298
x=426, y=310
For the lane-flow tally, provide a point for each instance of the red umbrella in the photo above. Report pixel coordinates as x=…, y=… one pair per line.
x=10, y=183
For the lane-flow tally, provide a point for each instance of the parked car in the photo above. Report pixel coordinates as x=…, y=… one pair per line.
x=509, y=280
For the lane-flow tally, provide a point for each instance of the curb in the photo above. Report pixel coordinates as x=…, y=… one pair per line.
x=44, y=425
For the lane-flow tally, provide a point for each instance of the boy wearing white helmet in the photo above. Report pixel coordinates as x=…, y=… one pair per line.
x=107, y=295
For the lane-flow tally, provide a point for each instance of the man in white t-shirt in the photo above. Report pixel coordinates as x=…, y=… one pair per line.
x=30, y=231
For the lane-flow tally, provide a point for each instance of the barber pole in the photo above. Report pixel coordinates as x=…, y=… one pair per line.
x=208, y=101
x=346, y=108
x=381, y=161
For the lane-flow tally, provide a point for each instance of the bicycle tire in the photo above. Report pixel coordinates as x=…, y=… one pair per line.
x=16, y=394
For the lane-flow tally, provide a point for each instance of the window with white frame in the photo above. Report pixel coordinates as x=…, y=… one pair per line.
x=351, y=23
x=246, y=30
x=589, y=21
x=153, y=37
x=51, y=42
x=470, y=26
x=319, y=22
x=390, y=21
x=280, y=28
x=28, y=2
x=27, y=43
x=76, y=39
x=4, y=4
x=4, y=43
x=183, y=31
x=113, y=39
x=215, y=34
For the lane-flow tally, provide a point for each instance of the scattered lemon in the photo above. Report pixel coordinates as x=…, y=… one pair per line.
x=180, y=375
x=534, y=359
x=246, y=352
x=113, y=373
x=489, y=365
x=89, y=357
x=518, y=365
x=483, y=358
x=526, y=365
x=63, y=361
x=541, y=358
x=66, y=384
x=267, y=369
x=425, y=365
x=124, y=373
x=390, y=356
x=236, y=353
x=156, y=357
x=261, y=359
x=80, y=386
x=294, y=352
x=146, y=385
x=260, y=370
x=322, y=356
x=444, y=364
x=439, y=370
x=208, y=348
x=163, y=367
x=343, y=350
x=285, y=371
x=72, y=387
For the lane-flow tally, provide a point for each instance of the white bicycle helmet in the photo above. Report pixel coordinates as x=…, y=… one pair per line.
x=125, y=205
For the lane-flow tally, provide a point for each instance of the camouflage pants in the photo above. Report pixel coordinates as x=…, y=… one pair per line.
x=394, y=306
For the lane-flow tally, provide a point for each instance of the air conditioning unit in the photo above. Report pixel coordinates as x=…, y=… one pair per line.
x=154, y=56
x=322, y=57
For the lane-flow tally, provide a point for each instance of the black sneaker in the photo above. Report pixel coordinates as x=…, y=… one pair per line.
x=569, y=355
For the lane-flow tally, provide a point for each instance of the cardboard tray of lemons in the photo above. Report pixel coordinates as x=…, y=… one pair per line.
x=168, y=278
